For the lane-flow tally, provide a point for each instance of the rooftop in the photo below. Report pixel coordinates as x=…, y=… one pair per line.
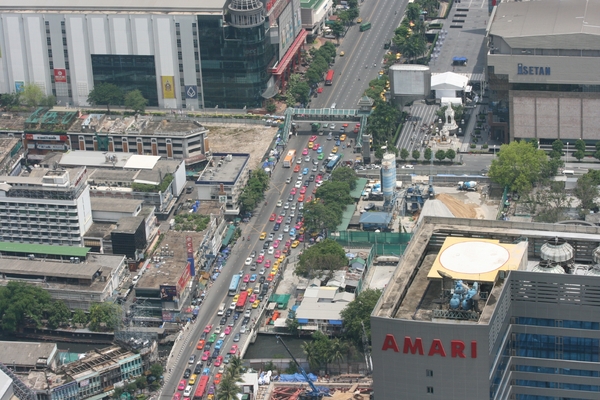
x=549, y=22
x=153, y=6
x=226, y=168
x=96, y=361
x=26, y=354
x=471, y=251
x=43, y=249
x=6, y=146
x=138, y=126
x=110, y=205
x=107, y=159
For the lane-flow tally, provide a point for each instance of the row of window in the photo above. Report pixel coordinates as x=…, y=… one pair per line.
x=557, y=371
x=556, y=385
x=33, y=205
x=559, y=323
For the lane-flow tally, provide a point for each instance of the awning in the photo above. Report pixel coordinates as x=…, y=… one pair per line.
x=285, y=61
x=271, y=90
x=459, y=59
x=228, y=235
x=335, y=322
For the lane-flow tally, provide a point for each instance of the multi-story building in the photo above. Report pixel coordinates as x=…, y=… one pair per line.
x=46, y=207
x=178, y=54
x=224, y=180
x=542, y=68
x=314, y=14
x=491, y=310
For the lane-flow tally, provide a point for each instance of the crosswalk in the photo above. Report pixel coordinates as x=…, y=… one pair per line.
x=416, y=128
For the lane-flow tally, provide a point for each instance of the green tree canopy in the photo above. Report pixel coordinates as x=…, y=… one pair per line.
x=580, y=145
x=450, y=154
x=440, y=155
x=21, y=303
x=404, y=154
x=326, y=256
x=345, y=174
x=10, y=100
x=427, y=154
x=332, y=192
x=32, y=95
x=105, y=94
x=586, y=191
x=104, y=317
x=254, y=191
x=416, y=154
x=358, y=312
x=136, y=101
x=519, y=166
x=318, y=216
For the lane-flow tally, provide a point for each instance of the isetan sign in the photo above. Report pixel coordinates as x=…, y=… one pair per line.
x=458, y=348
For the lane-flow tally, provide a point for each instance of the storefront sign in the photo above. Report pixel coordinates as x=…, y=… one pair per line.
x=58, y=138
x=525, y=70
x=60, y=75
x=40, y=146
x=191, y=91
x=168, y=293
x=457, y=347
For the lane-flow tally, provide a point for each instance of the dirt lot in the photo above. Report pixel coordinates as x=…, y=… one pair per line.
x=241, y=138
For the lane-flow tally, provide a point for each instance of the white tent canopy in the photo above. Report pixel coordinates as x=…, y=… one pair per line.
x=448, y=83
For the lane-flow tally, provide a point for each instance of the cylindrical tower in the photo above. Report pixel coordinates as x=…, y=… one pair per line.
x=246, y=13
x=388, y=176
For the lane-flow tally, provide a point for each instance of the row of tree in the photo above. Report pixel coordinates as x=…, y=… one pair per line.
x=30, y=96
x=254, y=192
x=108, y=94
x=150, y=380
x=28, y=305
x=440, y=155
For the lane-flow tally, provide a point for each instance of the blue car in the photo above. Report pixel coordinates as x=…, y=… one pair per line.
x=206, y=371
x=276, y=227
x=219, y=344
x=253, y=278
x=305, y=171
x=319, y=150
x=293, y=232
x=337, y=142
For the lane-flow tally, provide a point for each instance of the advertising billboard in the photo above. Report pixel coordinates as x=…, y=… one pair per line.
x=168, y=86
x=184, y=278
x=168, y=293
x=60, y=75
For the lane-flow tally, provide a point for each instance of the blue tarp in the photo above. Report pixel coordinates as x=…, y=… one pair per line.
x=296, y=377
x=459, y=59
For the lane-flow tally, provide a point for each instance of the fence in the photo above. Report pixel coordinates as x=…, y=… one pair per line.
x=384, y=243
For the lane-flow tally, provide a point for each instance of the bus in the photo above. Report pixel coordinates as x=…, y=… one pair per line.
x=333, y=162
x=241, y=303
x=235, y=284
x=329, y=78
x=201, y=389
x=365, y=27
x=288, y=161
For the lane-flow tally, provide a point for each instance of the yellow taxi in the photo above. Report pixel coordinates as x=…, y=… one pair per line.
x=359, y=20
x=263, y=236
x=250, y=290
x=281, y=258
x=235, y=298
x=295, y=243
x=310, y=145
x=334, y=150
x=276, y=264
x=342, y=54
x=273, y=273
x=301, y=231
x=192, y=379
x=255, y=304
x=398, y=55
x=342, y=138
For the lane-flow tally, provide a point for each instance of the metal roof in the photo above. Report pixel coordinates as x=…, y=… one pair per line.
x=148, y=6
x=549, y=24
x=70, y=251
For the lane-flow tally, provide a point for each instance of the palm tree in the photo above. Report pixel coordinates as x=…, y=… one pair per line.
x=311, y=355
x=228, y=388
x=235, y=366
x=338, y=348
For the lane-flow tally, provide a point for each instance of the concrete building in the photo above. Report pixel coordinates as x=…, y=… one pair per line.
x=27, y=356
x=7, y=391
x=45, y=206
x=484, y=309
x=314, y=15
x=541, y=64
x=11, y=155
x=320, y=309
x=78, y=281
x=224, y=180
x=217, y=53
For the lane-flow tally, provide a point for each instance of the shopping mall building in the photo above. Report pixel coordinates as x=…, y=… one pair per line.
x=481, y=309
x=179, y=54
x=543, y=62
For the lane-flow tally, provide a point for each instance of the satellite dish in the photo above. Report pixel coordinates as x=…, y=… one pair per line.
x=444, y=275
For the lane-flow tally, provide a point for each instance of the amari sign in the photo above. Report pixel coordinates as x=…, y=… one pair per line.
x=458, y=348
x=527, y=70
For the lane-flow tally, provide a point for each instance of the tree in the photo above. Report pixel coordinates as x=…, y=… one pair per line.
x=131, y=388
x=156, y=370
x=325, y=256
x=228, y=388
x=22, y=303
x=338, y=352
x=557, y=148
x=32, y=95
x=357, y=313
x=413, y=11
x=586, y=191
x=338, y=30
x=9, y=100
x=293, y=325
x=450, y=154
x=271, y=107
x=440, y=154
x=80, y=317
x=141, y=382
x=332, y=192
x=318, y=216
x=427, y=154
x=311, y=354
x=58, y=314
x=388, y=148
x=416, y=154
x=345, y=174
x=548, y=204
x=313, y=76
x=404, y=154
x=580, y=145
x=519, y=166
x=103, y=317
x=579, y=154
x=105, y=94
x=136, y=101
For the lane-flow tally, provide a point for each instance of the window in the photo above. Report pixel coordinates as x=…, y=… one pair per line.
x=430, y=389
x=428, y=372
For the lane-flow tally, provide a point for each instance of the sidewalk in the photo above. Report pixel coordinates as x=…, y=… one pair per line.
x=466, y=140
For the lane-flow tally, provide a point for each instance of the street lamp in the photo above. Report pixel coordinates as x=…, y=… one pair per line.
x=567, y=154
x=494, y=151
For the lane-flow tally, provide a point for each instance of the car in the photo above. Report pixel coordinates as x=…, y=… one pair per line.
x=262, y=271
x=250, y=291
x=212, y=338
x=192, y=359
x=200, y=344
x=198, y=368
x=206, y=371
x=299, y=161
x=234, y=349
x=299, y=177
x=248, y=261
x=320, y=156
x=236, y=337
x=192, y=380
x=297, y=168
x=291, y=198
x=188, y=391
x=307, y=159
x=182, y=384
x=263, y=235
x=253, y=254
x=408, y=166
x=283, y=213
x=334, y=150
x=305, y=171
x=261, y=279
x=276, y=227
x=253, y=278
x=293, y=213
x=218, y=361
x=267, y=263
x=288, y=179
x=293, y=232
x=315, y=146
x=272, y=217
x=295, y=243
x=217, y=379
x=243, y=329
x=177, y=396
x=266, y=245
x=227, y=330
x=280, y=236
x=218, y=329
x=208, y=328
x=253, y=267
x=342, y=137
x=298, y=184
x=302, y=190
x=304, y=151
x=246, y=278
x=311, y=178
x=301, y=207
x=288, y=220
x=271, y=250
x=205, y=355
x=255, y=303
x=252, y=298
x=187, y=373
x=286, y=206
x=293, y=191
x=312, y=138
x=271, y=237
x=277, y=254
x=332, y=126
x=301, y=198
x=286, y=228
x=276, y=243
x=223, y=321
x=219, y=344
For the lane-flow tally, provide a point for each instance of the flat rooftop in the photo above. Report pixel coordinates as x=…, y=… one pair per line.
x=227, y=172
x=130, y=125
x=36, y=177
x=107, y=159
x=26, y=353
x=85, y=270
x=169, y=270
x=415, y=288
x=152, y=6
x=110, y=205
x=6, y=146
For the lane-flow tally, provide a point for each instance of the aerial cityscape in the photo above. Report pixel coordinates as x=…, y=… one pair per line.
x=299, y=199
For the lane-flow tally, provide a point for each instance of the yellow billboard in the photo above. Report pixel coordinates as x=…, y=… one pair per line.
x=168, y=86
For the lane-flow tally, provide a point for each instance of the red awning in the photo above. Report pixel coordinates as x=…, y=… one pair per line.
x=285, y=61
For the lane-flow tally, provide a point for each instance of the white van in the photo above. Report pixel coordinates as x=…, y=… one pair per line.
x=568, y=172
x=188, y=391
x=221, y=309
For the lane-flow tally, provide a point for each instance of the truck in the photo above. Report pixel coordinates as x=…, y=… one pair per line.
x=365, y=26
x=470, y=186
x=221, y=309
x=315, y=126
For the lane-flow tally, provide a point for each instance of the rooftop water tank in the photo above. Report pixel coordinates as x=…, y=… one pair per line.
x=557, y=250
x=549, y=268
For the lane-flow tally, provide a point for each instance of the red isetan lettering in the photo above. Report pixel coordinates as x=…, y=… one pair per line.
x=413, y=348
x=390, y=343
x=457, y=347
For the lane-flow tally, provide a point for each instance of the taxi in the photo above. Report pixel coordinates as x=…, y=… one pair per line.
x=263, y=236
x=256, y=304
x=334, y=150
x=295, y=244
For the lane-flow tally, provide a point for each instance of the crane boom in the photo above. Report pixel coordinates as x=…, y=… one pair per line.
x=315, y=391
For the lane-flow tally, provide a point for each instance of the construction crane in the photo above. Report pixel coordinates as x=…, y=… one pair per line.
x=365, y=342
x=314, y=393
